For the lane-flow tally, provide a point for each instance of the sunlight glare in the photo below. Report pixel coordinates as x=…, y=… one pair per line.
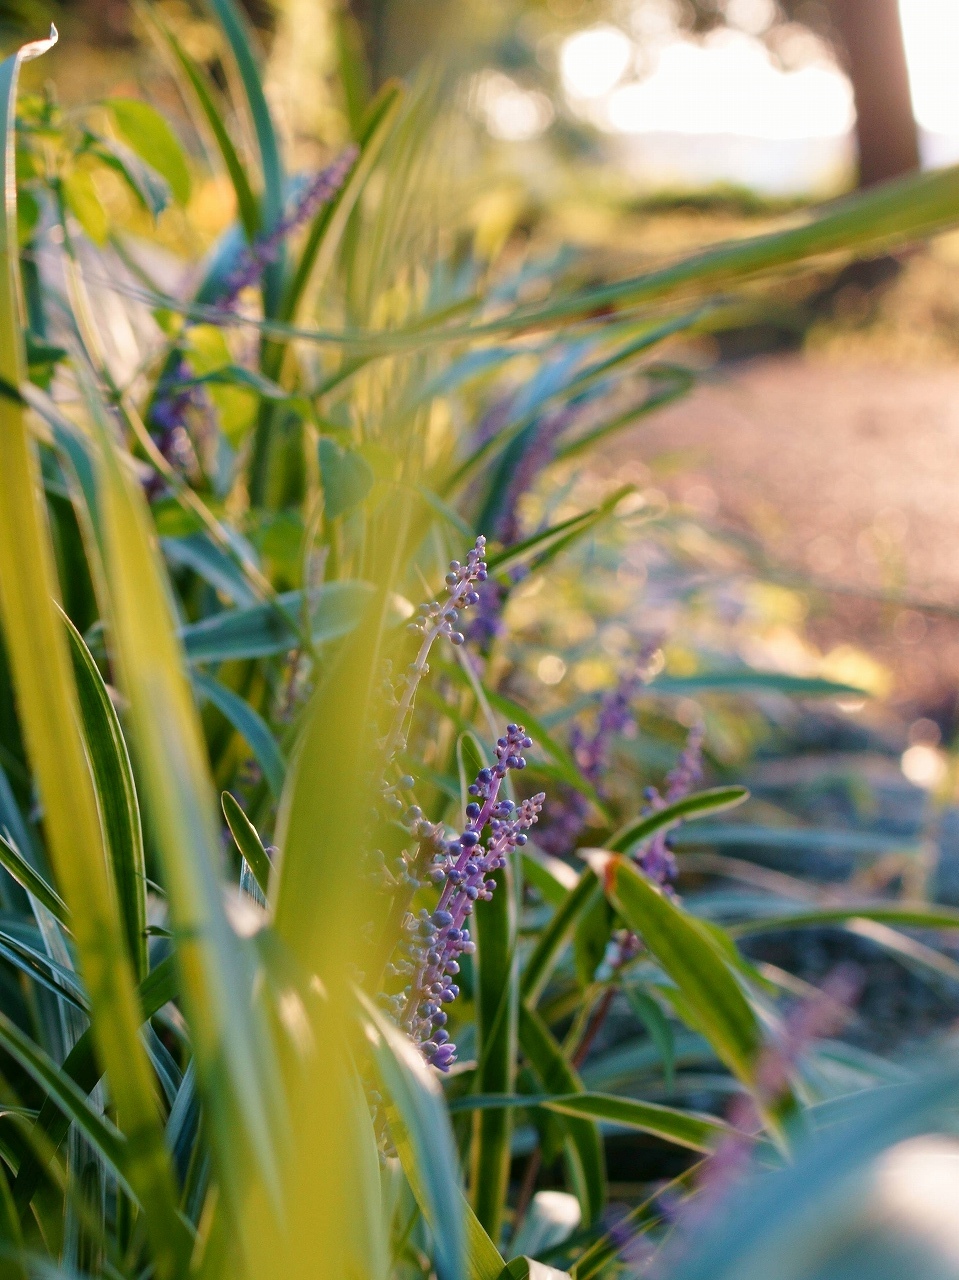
x=931, y=32
x=730, y=85
x=592, y=62
x=511, y=113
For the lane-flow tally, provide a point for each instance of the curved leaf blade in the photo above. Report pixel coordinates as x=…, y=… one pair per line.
x=425, y=1139
x=714, y=800
x=116, y=790
x=250, y=726
x=247, y=841
x=685, y=1128
x=690, y=957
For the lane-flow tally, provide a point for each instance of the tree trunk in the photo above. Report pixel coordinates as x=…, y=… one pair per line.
x=886, y=131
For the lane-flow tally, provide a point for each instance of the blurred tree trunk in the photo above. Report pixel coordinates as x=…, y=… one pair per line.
x=370, y=17
x=886, y=131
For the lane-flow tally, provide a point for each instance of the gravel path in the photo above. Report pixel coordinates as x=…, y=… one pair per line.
x=850, y=473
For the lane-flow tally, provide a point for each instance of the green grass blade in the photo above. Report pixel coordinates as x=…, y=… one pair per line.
x=598, y=1257
x=724, y=835
x=49, y=711
x=70, y=1099
x=324, y=814
x=247, y=841
x=231, y=1045
x=328, y=226
x=530, y=1269
x=246, y=201
x=749, y=681
x=906, y=915
x=233, y=24
x=862, y=225
x=12, y=1267
x=713, y=801
x=497, y=1007
x=483, y=1260
x=198, y=552
x=81, y=1067
x=520, y=552
x=116, y=791
x=685, y=1128
x=658, y=1028
x=418, y=1100
x=13, y=861
x=250, y=725
x=551, y=941
x=266, y=629
x=583, y=1147
x=56, y=977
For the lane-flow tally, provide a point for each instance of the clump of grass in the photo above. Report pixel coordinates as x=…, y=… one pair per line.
x=237, y=507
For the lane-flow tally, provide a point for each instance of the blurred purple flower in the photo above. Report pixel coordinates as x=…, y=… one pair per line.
x=568, y=815
x=821, y=1015
x=656, y=860
x=258, y=256
x=174, y=400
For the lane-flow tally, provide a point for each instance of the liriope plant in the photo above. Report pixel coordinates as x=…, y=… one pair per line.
x=271, y=833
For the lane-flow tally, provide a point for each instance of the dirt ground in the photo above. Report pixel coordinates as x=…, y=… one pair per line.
x=850, y=474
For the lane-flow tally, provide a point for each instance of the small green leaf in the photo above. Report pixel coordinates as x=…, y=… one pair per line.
x=149, y=187
x=247, y=841
x=81, y=198
x=347, y=478
x=264, y=629
x=146, y=131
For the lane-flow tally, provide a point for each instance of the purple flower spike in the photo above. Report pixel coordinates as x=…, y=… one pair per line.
x=438, y=618
x=435, y=941
x=258, y=256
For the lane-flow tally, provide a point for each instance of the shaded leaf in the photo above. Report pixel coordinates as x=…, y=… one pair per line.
x=151, y=137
